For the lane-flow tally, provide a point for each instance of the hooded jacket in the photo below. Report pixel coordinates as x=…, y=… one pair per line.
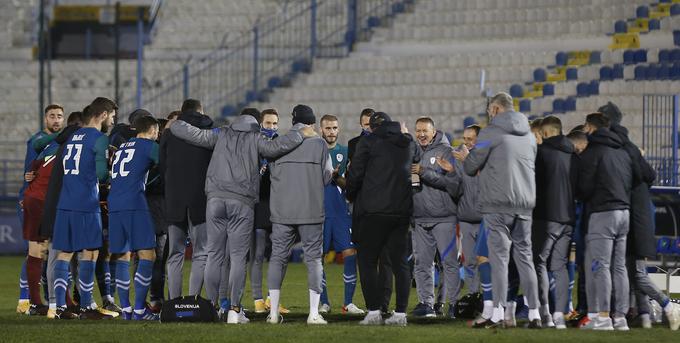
x=184, y=167
x=379, y=178
x=605, y=176
x=556, y=172
x=234, y=170
x=467, y=195
x=432, y=203
x=505, y=156
x=297, y=183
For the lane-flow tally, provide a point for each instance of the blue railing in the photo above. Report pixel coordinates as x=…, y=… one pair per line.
x=660, y=137
x=278, y=47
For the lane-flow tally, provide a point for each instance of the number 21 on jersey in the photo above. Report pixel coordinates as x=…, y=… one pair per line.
x=119, y=164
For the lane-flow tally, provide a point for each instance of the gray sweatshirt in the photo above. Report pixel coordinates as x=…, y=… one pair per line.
x=468, y=196
x=234, y=170
x=504, y=156
x=432, y=203
x=298, y=179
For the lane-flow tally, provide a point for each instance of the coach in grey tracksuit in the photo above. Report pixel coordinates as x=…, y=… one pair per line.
x=504, y=157
x=232, y=187
x=435, y=216
x=469, y=219
x=297, y=204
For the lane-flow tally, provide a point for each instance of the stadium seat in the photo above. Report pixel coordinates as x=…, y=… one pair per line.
x=676, y=37
x=642, y=12
x=558, y=106
x=606, y=74
x=675, y=9
x=663, y=72
x=582, y=89
x=640, y=56
x=540, y=75
x=675, y=55
x=516, y=91
x=629, y=57
x=548, y=89
x=572, y=74
x=617, y=71
x=654, y=25
x=675, y=72
x=525, y=105
x=664, y=56
x=595, y=57
x=228, y=110
x=594, y=87
x=620, y=26
x=640, y=73
x=570, y=104
x=561, y=58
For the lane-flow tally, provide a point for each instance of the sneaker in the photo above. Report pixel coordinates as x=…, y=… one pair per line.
x=372, y=319
x=325, y=308
x=146, y=315
x=268, y=306
x=93, y=314
x=451, y=313
x=107, y=312
x=352, y=309
x=155, y=306
x=397, y=319
x=423, y=310
x=547, y=321
x=260, y=306
x=586, y=323
x=316, y=320
x=602, y=324
x=125, y=315
x=439, y=309
x=23, y=305
x=64, y=313
x=620, y=324
x=534, y=324
x=239, y=317
x=111, y=306
x=37, y=310
x=479, y=323
x=277, y=320
x=510, y=318
x=559, y=322
x=656, y=313
x=51, y=313
x=495, y=325
x=222, y=315
x=646, y=321
x=673, y=316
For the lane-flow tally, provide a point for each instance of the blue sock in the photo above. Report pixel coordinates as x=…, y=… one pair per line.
x=112, y=278
x=103, y=274
x=225, y=304
x=86, y=282
x=324, y=291
x=23, y=282
x=61, y=281
x=350, y=277
x=123, y=283
x=142, y=282
x=665, y=302
x=484, y=270
x=571, y=270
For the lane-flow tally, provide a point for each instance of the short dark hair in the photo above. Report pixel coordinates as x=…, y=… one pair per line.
x=366, y=112
x=474, y=127
x=425, y=120
x=328, y=117
x=174, y=115
x=53, y=107
x=191, y=105
x=553, y=122
x=270, y=111
x=536, y=123
x=162, y=122
x=576, y=136
x=251, y=111
x=75, y=118
x=97, y=107
x=579, y=128
x=598, y=120
x=144, y=123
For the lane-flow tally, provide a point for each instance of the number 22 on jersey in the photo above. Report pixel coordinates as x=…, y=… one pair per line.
x=119, y=164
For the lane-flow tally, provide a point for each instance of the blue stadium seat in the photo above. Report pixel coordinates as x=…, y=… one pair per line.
x=606, y=74
x=675, y=72
x=642, y=12
x=540, y=75
x=516, y=91
x=620, y=26
x=398, y=7
x=570, y=104
x=628, y=57
x=572, y=74
x=251, y=96
x=469, y=121
x=582, y=89
x=617, y=72
x=652, y=72
x=675, y=55
x=676, y=36
x=675, y=9
x=301, y=65
x=664, y=56
x=654, y=25
x=640, y=73
x=558, y=106
x=595, y=57
x=594, y=87
x=561, y=58
x=663, y=72
x=525, y=105
x=274, y=82
x=228, y=110
x=640, y=56
x=548, y=89
x=373, y=21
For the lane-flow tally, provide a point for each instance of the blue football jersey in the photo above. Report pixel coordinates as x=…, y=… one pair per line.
x=334, y=200
x=82, y=152
x=339, y=158
x=131, y=164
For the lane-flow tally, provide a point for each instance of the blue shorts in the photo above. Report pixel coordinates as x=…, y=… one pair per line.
x=76, y=231
x=481, y=248
x=131, y=231
x=339, y=231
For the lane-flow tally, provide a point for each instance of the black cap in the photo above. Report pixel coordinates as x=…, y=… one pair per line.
x=612, y=112
x=303, y=114
x=140, y=112
x=250, y=111
x=378, y=118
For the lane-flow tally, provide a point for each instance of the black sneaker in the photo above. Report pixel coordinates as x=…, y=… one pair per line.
x=495, y=325
x=439, y=309
x=37, y=310
x=93, y=314
x=534, y=324
x=110, y=306
x=424, y=311
x=64, y=313
x=451, y=314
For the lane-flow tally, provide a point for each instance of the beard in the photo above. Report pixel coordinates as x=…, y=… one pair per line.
x=330, y=139
x=105, y=127
x=54, y=128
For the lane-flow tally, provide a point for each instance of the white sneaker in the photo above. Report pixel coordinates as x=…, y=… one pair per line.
x=656, y=313
x=602, y=324
x=234, y=317
x=324, y=308
x=559, y=322
x=316, y=320
x=397, y=319
x=673, y=315
x=547, y=321
x=372, y=319
x=352, y=309
x=277, y=320
x=510, y=320
x=620, y=324
x=646, y=321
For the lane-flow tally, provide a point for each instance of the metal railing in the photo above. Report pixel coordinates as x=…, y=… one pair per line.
x=660, y=137
x=277, y=48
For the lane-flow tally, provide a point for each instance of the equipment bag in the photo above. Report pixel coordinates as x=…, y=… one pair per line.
x=469, y=306
x=188, y=309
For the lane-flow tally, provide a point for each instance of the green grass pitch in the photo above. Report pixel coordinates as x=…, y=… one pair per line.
x=21, y=328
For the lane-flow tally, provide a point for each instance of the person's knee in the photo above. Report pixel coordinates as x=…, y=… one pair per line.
x=148, y=254
x=349, y=252
x=89, y=255
x=482, y=259
x=121, y=257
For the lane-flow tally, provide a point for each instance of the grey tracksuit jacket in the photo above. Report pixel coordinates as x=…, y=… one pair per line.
x=467, y=195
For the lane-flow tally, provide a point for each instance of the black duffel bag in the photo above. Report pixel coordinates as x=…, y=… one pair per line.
x=188, y=309
x=469, y=306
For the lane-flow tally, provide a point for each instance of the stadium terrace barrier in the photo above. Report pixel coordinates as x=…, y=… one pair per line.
x=660, y=137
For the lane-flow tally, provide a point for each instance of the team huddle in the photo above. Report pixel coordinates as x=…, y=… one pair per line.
x=517, y=206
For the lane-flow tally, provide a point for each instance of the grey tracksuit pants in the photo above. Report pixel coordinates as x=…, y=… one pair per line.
x=257, y=262
x=177, y=237
x=428, y=239
x=606, y=247
x=283, y=237
x=224, y=291
x=233, y=219
x=551, y=253
x=468, y=239
x=642, y=285
x=51, y=262
x=505, y=231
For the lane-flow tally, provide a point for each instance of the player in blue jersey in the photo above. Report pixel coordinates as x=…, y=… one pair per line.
x=131, y=226
x=78, y=224
x=337, y=226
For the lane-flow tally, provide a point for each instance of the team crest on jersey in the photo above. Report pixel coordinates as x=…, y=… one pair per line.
x=432, y=160
x=339, y=157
